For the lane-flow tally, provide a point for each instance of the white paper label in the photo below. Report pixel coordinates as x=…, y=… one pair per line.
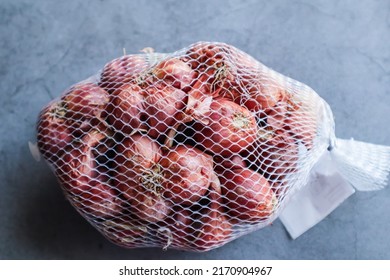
x=325, y=191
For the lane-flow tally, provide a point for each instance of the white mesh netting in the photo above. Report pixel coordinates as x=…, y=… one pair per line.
x=187, y=150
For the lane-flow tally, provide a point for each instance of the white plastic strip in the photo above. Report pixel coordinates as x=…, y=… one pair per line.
x=325, y=191
x=366, y=166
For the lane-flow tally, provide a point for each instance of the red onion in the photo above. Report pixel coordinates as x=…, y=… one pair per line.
x=136, y=154
x=249, y=196
x=100, y=200
x=87, y=184
x=187, y=174
x=262, y=92
x=175, y=72
x=206, y=55
x=139, y=178
x=122, y=70
x=275, y=157
x=302, y=122
x=178, y=229
x=85, y=101
x=231, y=163
x=215, y=229
x=126, y=109
x=182, y=229
x=54, y=131
x=164, y=106
x=230, y=128
x=212, y=82
x=147, y=205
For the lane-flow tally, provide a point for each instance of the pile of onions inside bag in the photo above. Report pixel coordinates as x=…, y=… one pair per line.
x=187, y=150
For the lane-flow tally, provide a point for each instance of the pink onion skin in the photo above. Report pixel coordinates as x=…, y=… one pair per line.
x=135, y=155
x=187, y=173
x=101, y=200
x=231, y=163
x=54, y=132
x=137, y=179
x=175, y=72
x=275, y=157
x=126, y=109
x=148, y=206
x=228, y=129
x=249, y=196
x=85, y=101
x=215, y=227
x=87, y=184
x=122, y=70
x=181, y=226
x=164, y=106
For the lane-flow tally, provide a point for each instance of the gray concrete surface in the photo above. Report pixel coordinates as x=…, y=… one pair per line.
x=339, y=48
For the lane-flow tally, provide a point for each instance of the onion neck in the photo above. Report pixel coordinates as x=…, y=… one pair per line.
x=240, y=121
x=151, y=179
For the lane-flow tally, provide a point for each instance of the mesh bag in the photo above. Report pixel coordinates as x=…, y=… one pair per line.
x=191, y=149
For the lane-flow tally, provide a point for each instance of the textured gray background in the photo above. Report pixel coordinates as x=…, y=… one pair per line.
x=340, y=48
